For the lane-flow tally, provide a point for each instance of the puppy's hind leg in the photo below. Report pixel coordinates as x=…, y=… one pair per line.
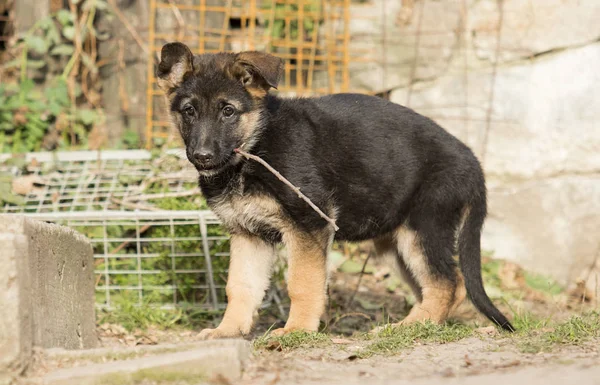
x=387, y=247
x=427, y=252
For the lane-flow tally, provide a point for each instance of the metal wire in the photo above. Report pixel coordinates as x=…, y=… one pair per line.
x=162, y=258
x=122, y=271
x=89, y=180
x=307, y=53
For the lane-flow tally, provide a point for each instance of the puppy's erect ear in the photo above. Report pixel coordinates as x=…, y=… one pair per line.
x=176, y=63
x=258, y=69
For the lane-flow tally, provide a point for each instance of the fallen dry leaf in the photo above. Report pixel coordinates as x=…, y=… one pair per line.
x=146, y=340
x=580, y=294
x=467, y=361
x=487, y=331
x=26, y=184
x=511, y=275
x=509, y=364
x=341, y=341
x=274, y=345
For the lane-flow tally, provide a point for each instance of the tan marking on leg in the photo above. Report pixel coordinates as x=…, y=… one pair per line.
x=387, y=248
x=250, y=270
x=460, y=294
x=307, y=279
x=438, y=294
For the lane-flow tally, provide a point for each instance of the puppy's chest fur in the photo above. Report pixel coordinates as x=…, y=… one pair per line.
x=252, y=212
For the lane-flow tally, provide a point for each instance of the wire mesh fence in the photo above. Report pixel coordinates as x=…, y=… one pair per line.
x=312, y=36
x=92, y=180
x=143, y=254
x=164, y=258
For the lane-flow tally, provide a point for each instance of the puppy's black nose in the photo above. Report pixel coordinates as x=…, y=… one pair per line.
x=203, y=155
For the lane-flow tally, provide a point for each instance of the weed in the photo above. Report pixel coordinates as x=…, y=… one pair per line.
x=545, y=336
x=155, y=376
x=131, y=315
x=293, y=340
x=392, y=339
x=542, y=284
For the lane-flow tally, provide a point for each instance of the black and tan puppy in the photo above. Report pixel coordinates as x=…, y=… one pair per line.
x=382, y=171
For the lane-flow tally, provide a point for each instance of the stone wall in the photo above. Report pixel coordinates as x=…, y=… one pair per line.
x=528, y=106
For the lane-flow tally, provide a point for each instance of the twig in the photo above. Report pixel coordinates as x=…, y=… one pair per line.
x=354, y=314
x=146, y=197
x=490, y=109
x=129, y=27
x=133, y=206
x=180, y=20
x=122, y=87
x=290, y=185
x=362, y=272
x=143, y=229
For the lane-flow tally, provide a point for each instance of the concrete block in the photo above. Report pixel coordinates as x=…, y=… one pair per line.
x=46, y=290
x=205, y=361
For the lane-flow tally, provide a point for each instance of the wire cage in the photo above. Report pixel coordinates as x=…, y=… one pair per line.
x=164, y=258
x=157, y=257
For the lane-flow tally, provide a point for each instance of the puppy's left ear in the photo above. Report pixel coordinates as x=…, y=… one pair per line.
x=258, y=69
x=176, y=64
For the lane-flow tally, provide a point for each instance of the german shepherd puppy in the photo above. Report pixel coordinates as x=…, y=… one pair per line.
x=382, y=171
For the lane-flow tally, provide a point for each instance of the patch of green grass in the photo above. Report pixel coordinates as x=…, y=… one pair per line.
x=526, y=323
x=543, y=284
x=154, y=376
x=391, y=339
x=291, y=341
x=131, y=315
x=545, y=336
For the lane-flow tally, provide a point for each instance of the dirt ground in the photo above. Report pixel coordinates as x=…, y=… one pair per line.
x=551, y=348
x=433, y=363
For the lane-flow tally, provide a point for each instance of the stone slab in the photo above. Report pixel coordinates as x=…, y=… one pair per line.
x=209, y=359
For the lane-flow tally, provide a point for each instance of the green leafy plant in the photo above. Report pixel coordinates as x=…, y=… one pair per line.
x=41, y=93
x=28, y=114
x=279, y=29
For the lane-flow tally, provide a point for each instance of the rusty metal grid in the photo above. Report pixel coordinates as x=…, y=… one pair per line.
x=312, y=36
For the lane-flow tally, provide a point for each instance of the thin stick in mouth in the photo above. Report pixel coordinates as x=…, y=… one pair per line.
x=287, y=183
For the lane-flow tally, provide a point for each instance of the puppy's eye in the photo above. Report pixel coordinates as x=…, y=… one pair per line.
x=189, y=111
x=228, y=111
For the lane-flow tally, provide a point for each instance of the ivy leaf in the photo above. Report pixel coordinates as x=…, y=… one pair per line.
x=64, y=17
x=36, y=44
x=58, y=93
x=77, y=90
x=36, y=64
x=45, y=23
x=86, y=116
x=12, y=63
x=26, y=86
x=62, y=50
x=69, y=32
x=53, y=35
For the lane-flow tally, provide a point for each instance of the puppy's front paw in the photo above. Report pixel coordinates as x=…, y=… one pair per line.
x=214, y=334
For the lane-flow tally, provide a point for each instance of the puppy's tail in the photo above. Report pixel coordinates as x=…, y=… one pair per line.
x=469, y=250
